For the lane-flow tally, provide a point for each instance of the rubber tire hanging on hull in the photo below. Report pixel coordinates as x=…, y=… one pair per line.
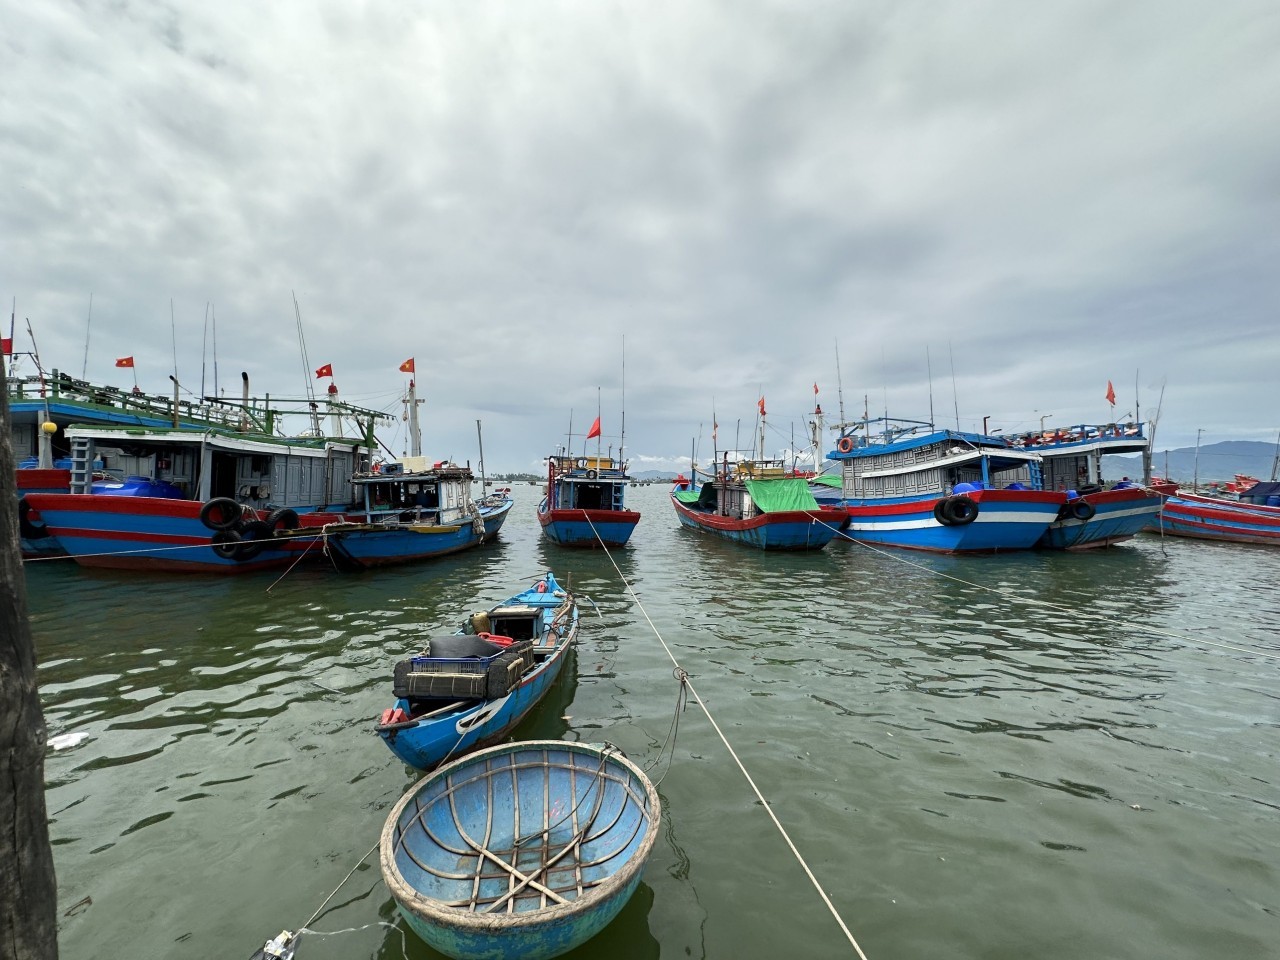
x=30, y=529
x=1081, y=510
x=226, y=544
x=221, y=513
x=254, y=537
x=955, y=511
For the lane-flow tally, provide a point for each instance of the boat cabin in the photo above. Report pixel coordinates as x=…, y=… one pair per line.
x=255, y=470
x=413, y=491
x=911, y=459
x=586, y=483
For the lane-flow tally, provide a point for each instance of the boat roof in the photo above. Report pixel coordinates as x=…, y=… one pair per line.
x=214, y=437
x=1082, y=438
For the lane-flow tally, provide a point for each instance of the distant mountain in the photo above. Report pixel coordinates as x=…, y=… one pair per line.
x=1218, y=461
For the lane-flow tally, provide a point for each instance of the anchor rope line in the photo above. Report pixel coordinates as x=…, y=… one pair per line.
x=768, y=808
x=1063, y=608
x=320, y=909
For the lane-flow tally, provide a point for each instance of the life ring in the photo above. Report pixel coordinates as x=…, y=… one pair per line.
x=220, y=513
x=845, y=444
x=1081, y=510
x=591, y=474
x=962, y=510
x=226, y=543
x=30, y=529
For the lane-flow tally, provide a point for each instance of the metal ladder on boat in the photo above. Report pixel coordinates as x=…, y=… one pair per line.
x=81, y=465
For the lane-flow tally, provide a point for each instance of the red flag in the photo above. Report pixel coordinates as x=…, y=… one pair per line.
x=325, y=371
x=595, y=429
x=714, y=427
x=761, y=406
x=6, y=346
x=815, y=389
x=407, y=366
x=1111, y=394
x=124, y=362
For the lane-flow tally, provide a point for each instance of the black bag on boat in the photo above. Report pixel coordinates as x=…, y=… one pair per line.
x=476, y=670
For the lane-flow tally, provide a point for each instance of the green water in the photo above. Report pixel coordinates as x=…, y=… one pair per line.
x=968, y=774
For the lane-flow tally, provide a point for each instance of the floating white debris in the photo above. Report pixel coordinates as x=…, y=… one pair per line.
x=65, y=741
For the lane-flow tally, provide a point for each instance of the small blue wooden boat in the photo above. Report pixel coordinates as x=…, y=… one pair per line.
x=469, y=688
x=585, y=505
x=404, y=515
x=521, y=852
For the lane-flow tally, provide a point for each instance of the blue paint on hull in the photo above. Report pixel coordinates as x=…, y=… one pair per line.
x=429, y=742
x=580, y=533
x=387, y=545
x=1113, y=523
x=911, y=524
x=775, y=534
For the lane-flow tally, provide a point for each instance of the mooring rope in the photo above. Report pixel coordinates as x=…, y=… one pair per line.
x=1060, y=607
x=723, y=739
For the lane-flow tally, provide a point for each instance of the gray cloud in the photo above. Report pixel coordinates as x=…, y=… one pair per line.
x=1054, y=195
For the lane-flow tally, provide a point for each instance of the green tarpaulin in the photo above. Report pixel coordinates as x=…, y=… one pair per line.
x=776, y=496
x=828, y=480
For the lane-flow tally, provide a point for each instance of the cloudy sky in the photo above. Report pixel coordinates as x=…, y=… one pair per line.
x=1028, y=200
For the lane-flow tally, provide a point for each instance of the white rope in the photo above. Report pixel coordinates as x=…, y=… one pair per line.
x=1063, y=608
x=723, y=739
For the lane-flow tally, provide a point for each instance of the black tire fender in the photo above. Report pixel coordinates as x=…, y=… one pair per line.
x=1081, y=510
x=962, y=510
x=253, y=539
x=942, y=514
x=226, y=544
x=283, y=519
x=30, y=529
x=591, y=474
x=221, y=513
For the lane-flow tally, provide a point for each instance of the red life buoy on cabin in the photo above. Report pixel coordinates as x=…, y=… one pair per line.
x=845, y=444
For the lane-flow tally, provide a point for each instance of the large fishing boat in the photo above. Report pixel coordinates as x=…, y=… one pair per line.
x=1094, y=514
x=218, y=500
x=753, y=501
x=585, y=505
x=906, y=483
x=42, y=406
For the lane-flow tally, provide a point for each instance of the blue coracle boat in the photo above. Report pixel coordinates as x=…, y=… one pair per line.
x=520, y=852
x=468, y=689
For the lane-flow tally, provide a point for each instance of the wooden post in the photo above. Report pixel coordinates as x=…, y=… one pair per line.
x=28, y=889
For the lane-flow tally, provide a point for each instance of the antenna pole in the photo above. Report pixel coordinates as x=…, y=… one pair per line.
x=954, y=396
x=928, y=364
x=85, y=366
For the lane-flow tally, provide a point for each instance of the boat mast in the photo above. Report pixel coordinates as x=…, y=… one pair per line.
x=622, y=439
x=1275, y=464
x=599, y=436
x=480, y=440
x=306, y=368
x=46, y=439
x=87, y=323
x=415, y=430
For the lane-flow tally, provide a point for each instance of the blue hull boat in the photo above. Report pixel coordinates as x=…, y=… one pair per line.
x=585, y=505
x=520, y=852
x=470, y=688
